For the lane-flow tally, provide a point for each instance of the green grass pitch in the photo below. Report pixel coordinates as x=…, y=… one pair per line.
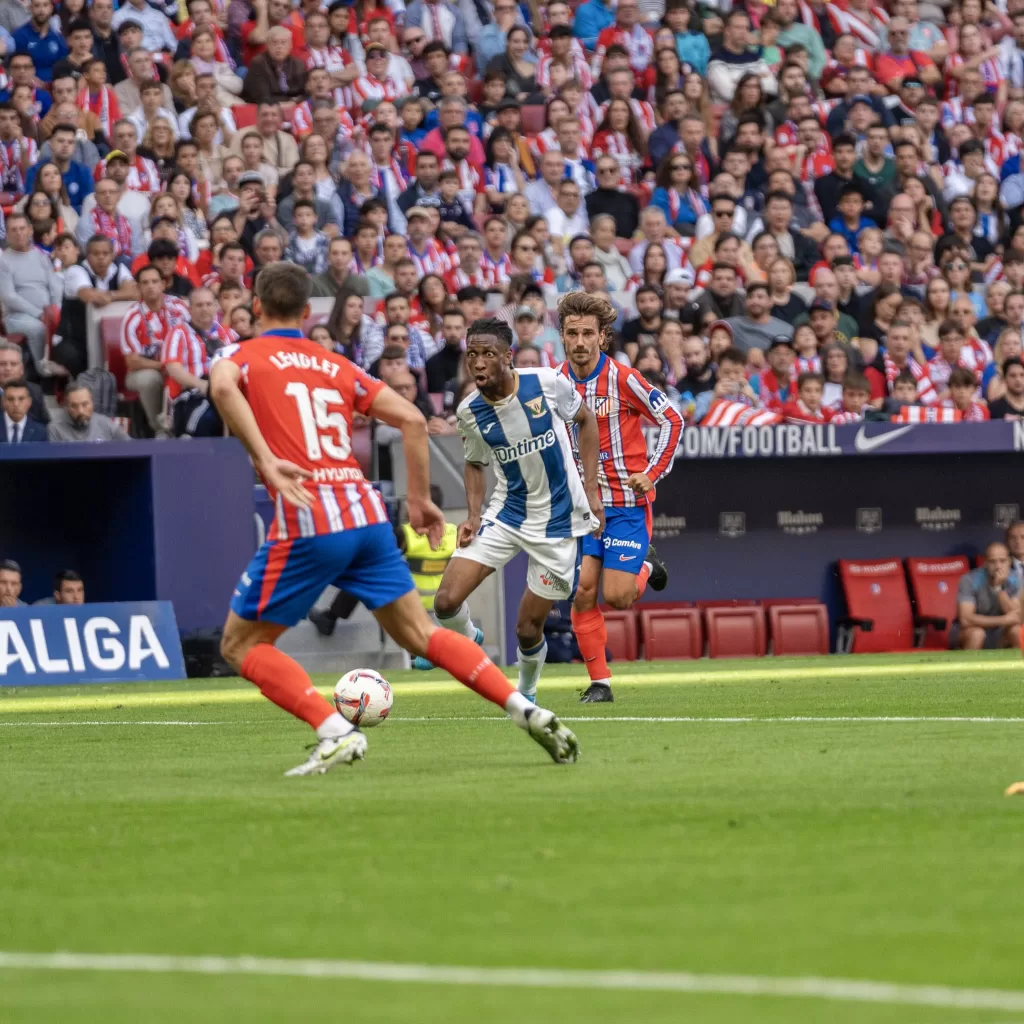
x=853, y=848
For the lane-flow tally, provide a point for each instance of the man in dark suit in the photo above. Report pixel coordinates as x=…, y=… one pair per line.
x=12, y=367
x=15, y=425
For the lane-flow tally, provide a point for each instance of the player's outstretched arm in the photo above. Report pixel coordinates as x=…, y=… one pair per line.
x=278, y=474
x=424, y=516
x=589, y=442
x=476, y=489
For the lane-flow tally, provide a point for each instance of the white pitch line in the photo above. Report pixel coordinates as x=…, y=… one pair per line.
x=657, y=719
x=836, y=989
x=53, y=725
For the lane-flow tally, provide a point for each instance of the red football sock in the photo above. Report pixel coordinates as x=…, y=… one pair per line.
x=284, y=681
x=641, y=579
x=592, y=636
x=468, y=663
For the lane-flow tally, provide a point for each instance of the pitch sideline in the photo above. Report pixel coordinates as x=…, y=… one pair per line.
x=830, y=989
x=646, y=719
x=764, y=670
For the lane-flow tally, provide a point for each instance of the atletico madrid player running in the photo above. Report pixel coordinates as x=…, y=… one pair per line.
x=621, y=560
x=291, y=404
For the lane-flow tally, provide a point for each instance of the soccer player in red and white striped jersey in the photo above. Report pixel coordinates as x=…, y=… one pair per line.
x=621, y=561
x=292, y=405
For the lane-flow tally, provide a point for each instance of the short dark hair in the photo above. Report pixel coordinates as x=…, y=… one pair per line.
x=303, y=204
x=961, y=377
x=66, y=576
x=644, y=289
x=778, y=195
x=856, y=382
x=471, y=291
x=733, y=355
x=844, y=139
x=18, y=382
x=142, y=270
x=9, y=564
x=67, y=128
x=162, y=249
x=1007, y=363
x=493, y=326
x=283, y=290
x=807, y=377
x=758, y=286
x=435, y=46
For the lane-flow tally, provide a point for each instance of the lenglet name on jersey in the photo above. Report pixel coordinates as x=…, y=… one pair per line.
x=337, y=474
x=286, y=360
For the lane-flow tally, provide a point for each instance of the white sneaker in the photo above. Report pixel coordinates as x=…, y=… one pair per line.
x=559, y=742
x=334, y=751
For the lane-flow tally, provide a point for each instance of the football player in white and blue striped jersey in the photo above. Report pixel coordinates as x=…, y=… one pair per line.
x=519, y=422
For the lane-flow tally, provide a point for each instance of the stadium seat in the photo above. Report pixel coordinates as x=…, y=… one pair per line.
x=735, y=631
x=110, y=335
x=533, y=116
x=736, y=602
x=879, y=618
x=933, y=583
x=671, y=633
x=798, y=628
x=622, y=638
x=245, y=115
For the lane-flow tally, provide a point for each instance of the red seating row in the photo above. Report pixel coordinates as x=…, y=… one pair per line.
x=732, y=629
x=879, y=613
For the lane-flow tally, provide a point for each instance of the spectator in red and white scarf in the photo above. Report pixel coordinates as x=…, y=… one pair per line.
x=895, y=360
x=963, y=390
x=104, y=219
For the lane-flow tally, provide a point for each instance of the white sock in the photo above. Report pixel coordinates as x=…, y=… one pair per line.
x=459, y=621
x=650, y=568
x=517, y=707
x=530, y=666
x=601, y=682
x=334, y=726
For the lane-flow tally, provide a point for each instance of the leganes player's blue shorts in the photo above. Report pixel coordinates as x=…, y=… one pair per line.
x=285, y=577
x=626, y=537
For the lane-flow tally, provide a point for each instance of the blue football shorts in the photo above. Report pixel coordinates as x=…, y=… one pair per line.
x=285, y=577
x=626, y=537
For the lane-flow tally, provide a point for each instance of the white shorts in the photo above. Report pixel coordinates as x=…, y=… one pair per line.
x=554, y=568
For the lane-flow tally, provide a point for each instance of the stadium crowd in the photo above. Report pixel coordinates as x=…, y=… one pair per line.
x=802, y=211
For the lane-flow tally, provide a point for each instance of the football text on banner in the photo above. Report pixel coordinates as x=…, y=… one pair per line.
x=89, y=643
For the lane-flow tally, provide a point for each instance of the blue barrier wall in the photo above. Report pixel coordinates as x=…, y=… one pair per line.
x=141, y=520
x=731, y=522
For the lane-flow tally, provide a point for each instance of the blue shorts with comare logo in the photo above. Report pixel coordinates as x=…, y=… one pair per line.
x=285, y=577
x=626, y=537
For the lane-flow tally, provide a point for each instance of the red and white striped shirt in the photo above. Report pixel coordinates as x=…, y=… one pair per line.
x=104, y=105
x=330, y=58
x=621, y=399
x=499, y=270
x=637, y=41
x=927, y=414
x=144, y=330
x=16, y=157
x=882, y=383
x=726, y=412
x=302, y=118
x=977, y=412
x=185, y=345
x=369, y=87
x=434, y=259
x=578, y=62
x=458, y=278
x=304, y=399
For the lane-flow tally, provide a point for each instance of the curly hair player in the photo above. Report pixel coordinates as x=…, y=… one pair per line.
x=518, y=420
x=621, y=560
x=291, y=404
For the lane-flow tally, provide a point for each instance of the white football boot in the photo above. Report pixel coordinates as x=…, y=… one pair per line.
x=331, y=752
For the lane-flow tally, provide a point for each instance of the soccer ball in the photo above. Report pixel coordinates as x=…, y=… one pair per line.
x=364, y=697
